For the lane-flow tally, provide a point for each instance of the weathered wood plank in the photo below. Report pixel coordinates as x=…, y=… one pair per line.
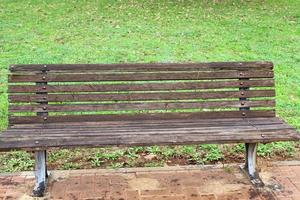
x=139, y=106
x=155, y=133
x=140, y=86
x=145, y=130
x=158, y=123
x=52, y=77
x=140, y=96
x=258, y=120
x=145, y=66
x=146, y=116
x=150, y=140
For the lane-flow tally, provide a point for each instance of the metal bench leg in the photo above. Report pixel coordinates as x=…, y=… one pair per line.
x=250, y=165
x=41, y=173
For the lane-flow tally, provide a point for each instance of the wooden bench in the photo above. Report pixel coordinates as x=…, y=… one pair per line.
x=97, y=105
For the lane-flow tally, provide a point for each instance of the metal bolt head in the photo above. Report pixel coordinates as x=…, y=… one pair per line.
x=44, y=77
x=44, y=108
x=242, y=93
x=241, y=74
x=262, y=135
x=243, y=103
x=44, y=69
x=241, y=83
x=36, y=142
x=44, y=98
x=44, y=87
x=243, y=113
x=45, y=118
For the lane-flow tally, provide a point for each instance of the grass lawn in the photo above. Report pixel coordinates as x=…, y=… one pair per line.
x=114, y=31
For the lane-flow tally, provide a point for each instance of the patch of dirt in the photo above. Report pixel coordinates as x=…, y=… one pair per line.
x=26, y=197
x=221, y=187
x=144, y=184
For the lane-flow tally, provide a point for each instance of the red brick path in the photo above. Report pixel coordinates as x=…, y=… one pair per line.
x=284, y=180
x=172, y=183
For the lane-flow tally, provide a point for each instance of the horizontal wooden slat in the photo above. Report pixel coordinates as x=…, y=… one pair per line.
x=140, y=96
x=140, y=106
x=43, y=142
x=142, y=130
x=144, y=66
x=146, y=116
x=19, y=78
x=139, y=86
x=184, y=122
x=146, y=129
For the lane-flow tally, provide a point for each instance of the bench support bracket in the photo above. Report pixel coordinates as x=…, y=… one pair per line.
x=41, y=173
x=250, y=165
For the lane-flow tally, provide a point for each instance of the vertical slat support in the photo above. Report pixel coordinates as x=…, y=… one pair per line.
x=43, y=103
x=251, y=148
x=41, y=173
x=242, y=91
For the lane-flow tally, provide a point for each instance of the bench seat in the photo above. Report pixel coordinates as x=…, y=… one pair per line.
x=147, y=132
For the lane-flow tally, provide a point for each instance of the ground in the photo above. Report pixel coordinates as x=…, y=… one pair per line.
x=153, y=31
x=168, y=183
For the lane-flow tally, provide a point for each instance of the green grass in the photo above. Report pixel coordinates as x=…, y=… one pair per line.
x=155, y=31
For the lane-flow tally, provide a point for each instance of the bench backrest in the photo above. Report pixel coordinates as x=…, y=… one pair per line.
x=103, y=92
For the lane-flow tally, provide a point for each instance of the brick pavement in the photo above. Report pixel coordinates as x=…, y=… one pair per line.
x=170, y=183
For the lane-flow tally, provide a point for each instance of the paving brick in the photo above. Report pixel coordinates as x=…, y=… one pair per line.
x=190, y=182
x=132, y=195
x=117, y=193
x=207, y=197
x=57, y=190
x=295, y=180
x=101, y=182
x=297, y=184
x=16, y=180
x=2, y=192
x=102, y=191
x=191, y=193
x=90, y=194
x=72, y=196
x=5, y=179
x=164, y=198
x=74, y=184
x=118, y=180
x=289, y=187
x=8, y=197
x=233, y=196
x=284, y=198
x=176, y=190
x=161, y=191
x=13, y=194
x=86, y=180
x=296, y=197
x=5, y=182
